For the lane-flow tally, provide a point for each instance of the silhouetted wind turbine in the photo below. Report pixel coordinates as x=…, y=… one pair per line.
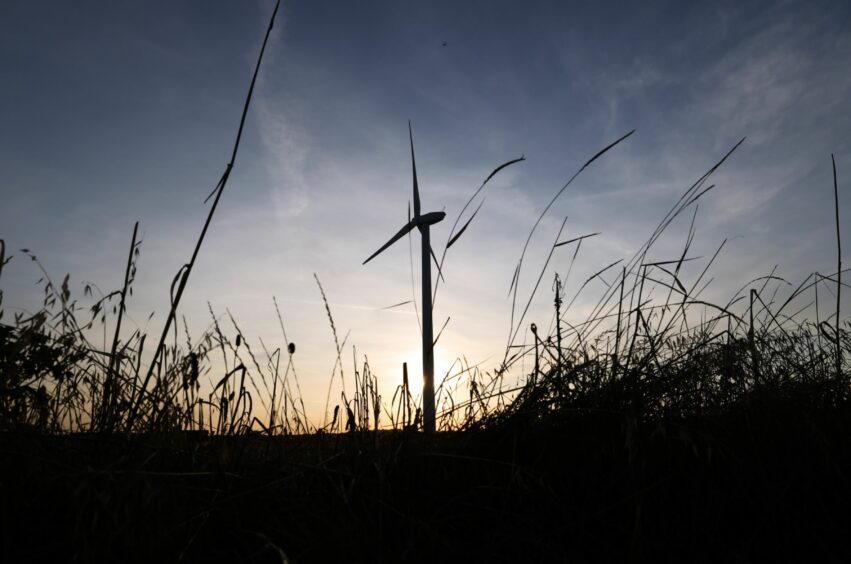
x=422, y=221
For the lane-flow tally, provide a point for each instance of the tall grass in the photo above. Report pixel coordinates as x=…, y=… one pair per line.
x=660, y=415
x=182, y=276
x=652, y=347
x=659, y=426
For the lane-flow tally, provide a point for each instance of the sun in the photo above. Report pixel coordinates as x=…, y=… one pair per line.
x=443, y=366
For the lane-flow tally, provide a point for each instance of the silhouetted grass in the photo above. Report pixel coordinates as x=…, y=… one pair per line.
x=660, y=427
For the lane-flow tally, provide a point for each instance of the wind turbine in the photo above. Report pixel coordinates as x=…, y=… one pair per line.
x=423, y=222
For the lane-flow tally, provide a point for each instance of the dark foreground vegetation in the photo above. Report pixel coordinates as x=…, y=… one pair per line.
x=764, y=479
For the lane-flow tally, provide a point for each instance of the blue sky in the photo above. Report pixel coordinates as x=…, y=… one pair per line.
x=114, y=112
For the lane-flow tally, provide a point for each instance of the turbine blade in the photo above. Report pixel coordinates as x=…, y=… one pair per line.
x=402, y=232
x=414, y=166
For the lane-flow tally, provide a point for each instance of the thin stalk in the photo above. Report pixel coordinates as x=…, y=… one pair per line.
x=512, y=333
x=618, y=332
x=109, y=384
x=218, y=191
x=557, y=304
x=752, y=340
x=838, y=270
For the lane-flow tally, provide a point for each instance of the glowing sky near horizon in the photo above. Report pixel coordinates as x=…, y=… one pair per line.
x=114, y=112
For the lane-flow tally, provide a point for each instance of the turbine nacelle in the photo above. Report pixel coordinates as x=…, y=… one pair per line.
x=420, y=221
x=429, y=219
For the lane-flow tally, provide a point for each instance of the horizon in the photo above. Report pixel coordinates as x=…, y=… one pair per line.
x=101, y=138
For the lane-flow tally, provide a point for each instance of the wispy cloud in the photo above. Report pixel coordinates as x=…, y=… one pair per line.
x=286, y=149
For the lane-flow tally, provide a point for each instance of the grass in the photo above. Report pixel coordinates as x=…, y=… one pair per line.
x=659, y=427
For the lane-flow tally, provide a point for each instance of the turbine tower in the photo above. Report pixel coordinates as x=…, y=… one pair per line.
x=423, y=222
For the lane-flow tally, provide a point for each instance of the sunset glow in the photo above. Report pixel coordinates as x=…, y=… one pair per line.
x=102, y=138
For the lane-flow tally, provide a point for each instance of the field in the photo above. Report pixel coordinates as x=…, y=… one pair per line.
x=648, y=432
x=660, y=427
x=762, y=478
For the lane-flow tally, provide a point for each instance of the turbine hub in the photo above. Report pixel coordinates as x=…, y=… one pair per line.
x=429, y=218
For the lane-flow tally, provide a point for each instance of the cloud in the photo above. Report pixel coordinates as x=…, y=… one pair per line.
x=754, y=87
x=286, y=150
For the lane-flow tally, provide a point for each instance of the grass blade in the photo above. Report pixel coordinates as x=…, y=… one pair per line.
x=464, y=228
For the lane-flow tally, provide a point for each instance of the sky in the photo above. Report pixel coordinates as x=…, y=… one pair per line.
x=117, y=112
